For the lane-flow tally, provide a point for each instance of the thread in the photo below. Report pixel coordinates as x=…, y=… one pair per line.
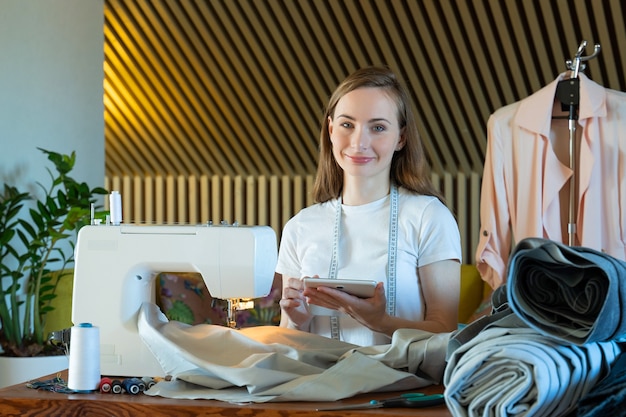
x=116, y=386
x=149, y=381
x=133, y=386
x=115, y=207
x=105, y=385
x=84, y=364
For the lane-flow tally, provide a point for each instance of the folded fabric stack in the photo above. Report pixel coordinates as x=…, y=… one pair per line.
x=554, y=336
x=509, y=369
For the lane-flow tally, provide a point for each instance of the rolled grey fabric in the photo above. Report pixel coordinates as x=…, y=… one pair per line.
x=576, y=294
x=515, y=371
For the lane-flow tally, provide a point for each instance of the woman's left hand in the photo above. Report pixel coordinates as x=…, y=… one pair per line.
x=368, y=311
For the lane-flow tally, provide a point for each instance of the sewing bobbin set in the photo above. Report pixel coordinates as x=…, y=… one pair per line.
x=131, y=385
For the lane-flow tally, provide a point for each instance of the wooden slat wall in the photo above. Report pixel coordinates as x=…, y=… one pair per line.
x=262, y=200
x=236, y=87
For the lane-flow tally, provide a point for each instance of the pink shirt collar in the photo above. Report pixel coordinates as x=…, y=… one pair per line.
x=535, y=111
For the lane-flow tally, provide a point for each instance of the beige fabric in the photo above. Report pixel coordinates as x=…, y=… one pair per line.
x=271, y=363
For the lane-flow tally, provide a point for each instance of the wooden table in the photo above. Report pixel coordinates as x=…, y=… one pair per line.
x=19, y=400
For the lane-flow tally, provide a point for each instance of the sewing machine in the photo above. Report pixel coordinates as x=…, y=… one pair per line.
x=116, y=266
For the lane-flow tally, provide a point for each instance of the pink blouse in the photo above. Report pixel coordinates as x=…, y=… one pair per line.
x=525, y=171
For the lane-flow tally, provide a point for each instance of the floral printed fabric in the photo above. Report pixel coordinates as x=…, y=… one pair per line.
x=184, y=297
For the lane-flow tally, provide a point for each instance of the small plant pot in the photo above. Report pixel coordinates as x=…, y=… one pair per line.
x=15, y=370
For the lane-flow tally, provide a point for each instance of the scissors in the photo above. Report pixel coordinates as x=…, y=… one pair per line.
x=409, y=400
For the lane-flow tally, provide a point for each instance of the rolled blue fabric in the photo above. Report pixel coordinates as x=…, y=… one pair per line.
x=576, y=294
x=608, y=398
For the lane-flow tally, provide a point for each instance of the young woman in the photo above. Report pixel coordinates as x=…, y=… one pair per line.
x=377, y=217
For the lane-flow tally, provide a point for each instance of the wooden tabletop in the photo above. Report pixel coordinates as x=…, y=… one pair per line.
x=19, y=400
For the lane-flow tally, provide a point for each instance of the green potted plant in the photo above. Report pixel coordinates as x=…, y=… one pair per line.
x=37, y=238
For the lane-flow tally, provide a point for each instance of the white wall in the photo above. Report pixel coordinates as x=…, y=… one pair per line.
x=51, y=87
x=51, y=93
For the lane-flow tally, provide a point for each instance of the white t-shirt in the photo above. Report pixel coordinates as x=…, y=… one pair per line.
x=427, y=233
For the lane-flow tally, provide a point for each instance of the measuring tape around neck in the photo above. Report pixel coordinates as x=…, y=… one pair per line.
x=392, y=250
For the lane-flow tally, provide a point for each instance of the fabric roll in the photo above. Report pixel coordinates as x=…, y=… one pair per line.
x=270, y=363
x=506, y=369
x=575, y=294
x=608, y=398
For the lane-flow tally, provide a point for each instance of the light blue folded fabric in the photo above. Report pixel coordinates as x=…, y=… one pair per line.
x=509, y=372
x=576, y=294
x=500, y=367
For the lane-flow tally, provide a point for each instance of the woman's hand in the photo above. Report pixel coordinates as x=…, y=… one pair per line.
x=370, y=312
x=295, y=312
x=440, y=286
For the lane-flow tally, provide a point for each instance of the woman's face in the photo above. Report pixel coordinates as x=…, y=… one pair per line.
x=365, y=133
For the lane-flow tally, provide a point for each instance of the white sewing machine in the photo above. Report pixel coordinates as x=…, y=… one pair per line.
x=115, y=269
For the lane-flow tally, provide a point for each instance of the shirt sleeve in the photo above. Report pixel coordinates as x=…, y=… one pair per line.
x=495, y=233
x=438, y=237
x=288, y=264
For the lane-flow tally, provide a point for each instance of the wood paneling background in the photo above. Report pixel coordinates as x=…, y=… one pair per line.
x=237, y=87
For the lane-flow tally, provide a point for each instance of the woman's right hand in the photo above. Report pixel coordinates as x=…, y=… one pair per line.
x=294, y=308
